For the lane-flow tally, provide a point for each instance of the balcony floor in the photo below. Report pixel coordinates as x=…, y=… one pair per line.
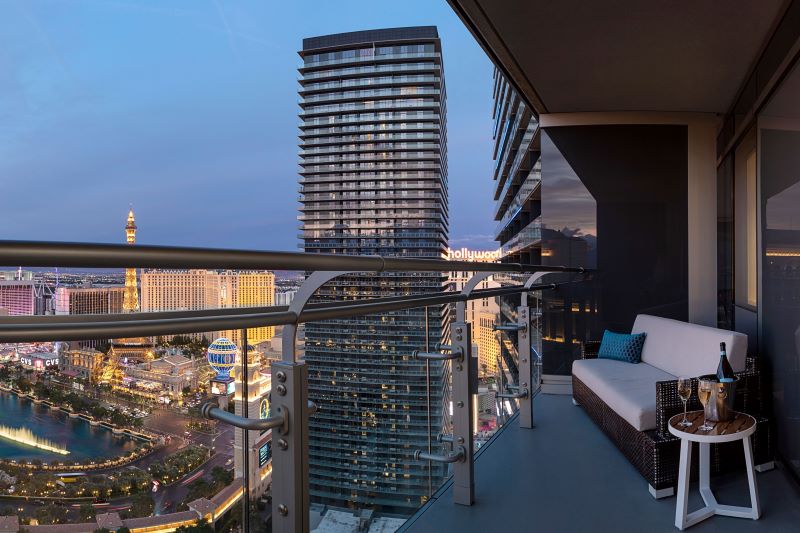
x=565, y=475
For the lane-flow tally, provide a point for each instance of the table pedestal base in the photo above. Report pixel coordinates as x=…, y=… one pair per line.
x=684, y=520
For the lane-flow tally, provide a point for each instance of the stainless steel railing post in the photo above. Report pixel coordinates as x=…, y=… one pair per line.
x=290, y=476
x=463, y=373
x=290, y=496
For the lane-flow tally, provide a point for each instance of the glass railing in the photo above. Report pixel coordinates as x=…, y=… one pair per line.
x=367, y=82
x=353, y=187
x=369, y=93
x=369, y=59
x=372, y=128
x=371, y=117
x=532, y=182
x=372, y=138
x=371, y=69
x=165, y=417
x=334, y=168
x=368, y=156
x=528, y=236
x=327, y=109
x=368, y=147
x=522, y=151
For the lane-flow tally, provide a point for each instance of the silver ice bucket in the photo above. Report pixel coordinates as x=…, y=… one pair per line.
x=719, y=407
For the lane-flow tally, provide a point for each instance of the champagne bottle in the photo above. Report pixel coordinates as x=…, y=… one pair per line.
x=724, y=370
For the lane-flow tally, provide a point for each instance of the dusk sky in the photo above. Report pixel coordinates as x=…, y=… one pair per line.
x=188, y=110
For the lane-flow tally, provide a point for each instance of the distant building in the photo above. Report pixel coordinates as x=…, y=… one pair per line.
x=89, y=300
x=161, y=378
x=135, y=348
x=191, y=290
x=16, y=275
x=18, y=297
x=87, y=364
x=285, y=297
x=248, y=289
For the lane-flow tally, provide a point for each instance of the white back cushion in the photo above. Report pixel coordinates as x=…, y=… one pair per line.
x=684, y=349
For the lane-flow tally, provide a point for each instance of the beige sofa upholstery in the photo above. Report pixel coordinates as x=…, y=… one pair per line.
x=687, y=349
x=672, y=348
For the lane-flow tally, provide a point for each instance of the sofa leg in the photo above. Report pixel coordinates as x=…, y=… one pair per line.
x=661, y=493
x=765, y=467
x=575, y=402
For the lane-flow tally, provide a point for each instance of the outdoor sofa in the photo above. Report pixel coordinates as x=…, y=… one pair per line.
x=632, y=403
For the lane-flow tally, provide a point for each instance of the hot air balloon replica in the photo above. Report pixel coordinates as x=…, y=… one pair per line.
x=221, y=357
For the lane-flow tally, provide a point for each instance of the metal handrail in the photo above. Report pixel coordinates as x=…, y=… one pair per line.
x=87, y=327
x=212, y=411
x=69, y=254
x=459, y=454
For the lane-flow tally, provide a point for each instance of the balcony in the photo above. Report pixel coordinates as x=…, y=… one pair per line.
x=398, y=386
x=565, y=475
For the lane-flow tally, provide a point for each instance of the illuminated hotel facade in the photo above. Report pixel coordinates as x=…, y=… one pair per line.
x=191, y=290
x=18, y=298
x=89, y=300
x=373, y=181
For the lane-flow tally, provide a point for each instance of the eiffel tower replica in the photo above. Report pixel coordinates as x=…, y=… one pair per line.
x=134, y=349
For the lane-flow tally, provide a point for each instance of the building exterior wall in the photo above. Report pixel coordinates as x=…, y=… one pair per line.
x=248, y=289
x=85, y=364
x=191, y=290
x=89, y=301
x=374, y=181
x=18, y=298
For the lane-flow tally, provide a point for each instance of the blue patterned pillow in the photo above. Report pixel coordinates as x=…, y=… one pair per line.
x=622, y=347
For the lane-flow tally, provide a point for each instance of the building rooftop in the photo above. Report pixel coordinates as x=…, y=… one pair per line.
x=369, y=36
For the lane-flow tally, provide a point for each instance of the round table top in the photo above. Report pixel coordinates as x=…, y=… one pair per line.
x=739, y=427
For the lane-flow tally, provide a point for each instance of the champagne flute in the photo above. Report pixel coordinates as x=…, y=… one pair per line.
x=704, y=393
x=685, y=392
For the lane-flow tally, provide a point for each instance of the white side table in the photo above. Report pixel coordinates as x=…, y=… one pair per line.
x=740, y=428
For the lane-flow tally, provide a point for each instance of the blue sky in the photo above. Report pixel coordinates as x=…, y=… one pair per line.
x=188, y=110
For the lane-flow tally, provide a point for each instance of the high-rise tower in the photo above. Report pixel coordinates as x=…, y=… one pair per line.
x=374, y=182
x=130, y=300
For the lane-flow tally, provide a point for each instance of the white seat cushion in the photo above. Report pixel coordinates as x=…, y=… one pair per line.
x=684, y=349
x=629, y=389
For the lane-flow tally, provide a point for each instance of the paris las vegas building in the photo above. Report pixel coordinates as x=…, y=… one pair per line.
x=169, y=290
x=373, y=180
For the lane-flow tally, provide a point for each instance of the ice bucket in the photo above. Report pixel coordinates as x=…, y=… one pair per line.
x=719, y=407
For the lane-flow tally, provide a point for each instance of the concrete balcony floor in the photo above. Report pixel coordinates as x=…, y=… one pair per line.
x=565, y=475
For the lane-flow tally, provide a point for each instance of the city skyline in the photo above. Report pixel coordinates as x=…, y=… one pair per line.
x=199, y=118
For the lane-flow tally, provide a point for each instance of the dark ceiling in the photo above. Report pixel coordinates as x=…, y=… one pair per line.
x=625, y=55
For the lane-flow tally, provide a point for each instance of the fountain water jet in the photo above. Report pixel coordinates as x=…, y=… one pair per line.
x=26, y=436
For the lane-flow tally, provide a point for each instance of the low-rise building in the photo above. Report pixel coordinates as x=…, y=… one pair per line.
x=163, y=379
x=40, y=361
x=87, y=364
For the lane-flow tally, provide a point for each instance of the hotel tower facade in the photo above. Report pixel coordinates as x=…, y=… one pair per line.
x=373, y=181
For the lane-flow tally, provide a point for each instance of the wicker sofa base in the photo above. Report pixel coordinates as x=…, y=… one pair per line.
x=655, y=455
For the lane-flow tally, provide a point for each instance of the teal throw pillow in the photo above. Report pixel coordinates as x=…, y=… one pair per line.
x=622, y=346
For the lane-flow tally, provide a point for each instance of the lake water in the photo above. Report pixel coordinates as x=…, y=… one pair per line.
x=81, y=439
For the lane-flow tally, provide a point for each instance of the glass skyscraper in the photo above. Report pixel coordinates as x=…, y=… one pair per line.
x=373, y=181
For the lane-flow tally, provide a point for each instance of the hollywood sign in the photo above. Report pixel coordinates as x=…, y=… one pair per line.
x=465, y=254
